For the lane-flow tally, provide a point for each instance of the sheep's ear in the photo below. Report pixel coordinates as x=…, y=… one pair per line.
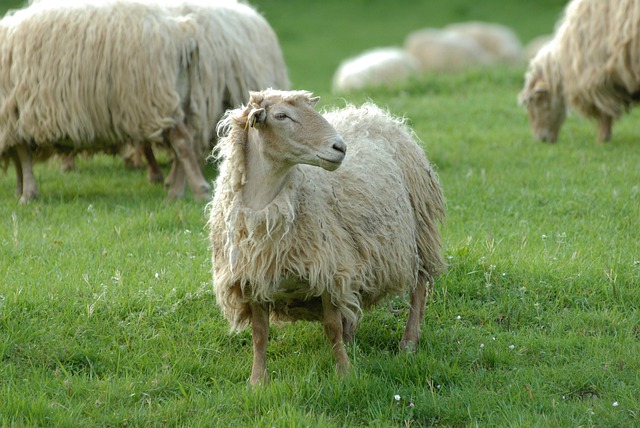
x=313, y=101
x=257, y=116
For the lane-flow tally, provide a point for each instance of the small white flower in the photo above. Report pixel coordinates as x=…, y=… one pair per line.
x=615, y=404
x=157, y=276
x=512, y=346
x=481, y=345
x=397, y=397
x=458, y=317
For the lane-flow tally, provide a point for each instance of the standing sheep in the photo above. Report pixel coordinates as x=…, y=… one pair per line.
x=592, y=64
x=238, y=52
x=377, y=67
x=293, y=241
x=94, y=76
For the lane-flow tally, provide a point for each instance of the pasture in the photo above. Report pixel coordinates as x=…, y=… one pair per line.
x=108, y=317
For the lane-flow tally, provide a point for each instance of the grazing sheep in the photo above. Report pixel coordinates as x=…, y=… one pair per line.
x=294, y=241
x=499, y=41
x=444, y=51
x=238, y=52
x=592, y=64
x=377, y=67
x=93, y=76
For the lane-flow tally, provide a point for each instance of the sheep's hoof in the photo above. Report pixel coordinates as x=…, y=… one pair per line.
x=408, y=345
x=27, y=198
x=259, y=381
x=155, y=177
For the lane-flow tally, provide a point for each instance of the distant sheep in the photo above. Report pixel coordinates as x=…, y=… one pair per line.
x=377, y=67
x=94, y=76
x=293, y=241
x=499, y=41
x=592, y=64
x=438, y=50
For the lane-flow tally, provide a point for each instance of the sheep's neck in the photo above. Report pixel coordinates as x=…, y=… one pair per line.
x=264, y=177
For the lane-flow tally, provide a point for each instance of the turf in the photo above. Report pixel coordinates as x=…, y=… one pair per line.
x=108, y=318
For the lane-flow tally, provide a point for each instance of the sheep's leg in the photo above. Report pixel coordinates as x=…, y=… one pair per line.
x=411, y=334
x=29, y=186
x=16, y=162
x=332, y=322
x=348, y=330
x=154, y=173
x=260, y=338
x=604, y=130
x=180, y=141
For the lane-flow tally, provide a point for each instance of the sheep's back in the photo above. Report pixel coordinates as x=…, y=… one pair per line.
x=91, y=71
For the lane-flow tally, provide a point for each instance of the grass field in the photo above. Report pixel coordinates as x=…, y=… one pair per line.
x=108, y=318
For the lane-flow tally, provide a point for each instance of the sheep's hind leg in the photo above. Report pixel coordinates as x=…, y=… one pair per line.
x=181, y=142
x=260, y=338
x=332, y=322
x=13, y=155
x=154, y=172
x=29, y=186
x=411, y=334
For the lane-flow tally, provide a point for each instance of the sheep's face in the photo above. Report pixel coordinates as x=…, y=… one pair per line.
x=546, y=110
x=292, y=132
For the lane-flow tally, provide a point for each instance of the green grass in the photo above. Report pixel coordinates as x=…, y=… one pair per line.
x=108, y=318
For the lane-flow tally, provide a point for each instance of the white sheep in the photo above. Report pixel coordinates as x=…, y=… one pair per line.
x=499, y=41
x=303, y=228
x=238, y=52
x=377, y=67
x=438, y=50
x=592, y=64
x=93, y=76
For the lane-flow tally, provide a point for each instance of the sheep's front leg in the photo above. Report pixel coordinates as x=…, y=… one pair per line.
x=411, y=334
x=29, y=186
x=332, y=322
x=260, y=337
x=604, y=131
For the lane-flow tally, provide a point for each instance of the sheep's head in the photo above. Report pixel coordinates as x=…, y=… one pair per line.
x=291, y=131
x=542, y=96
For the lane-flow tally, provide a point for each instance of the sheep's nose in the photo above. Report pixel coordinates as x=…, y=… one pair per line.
x=340, y=146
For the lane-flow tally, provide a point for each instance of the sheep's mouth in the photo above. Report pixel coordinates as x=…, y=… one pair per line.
x=330, y=164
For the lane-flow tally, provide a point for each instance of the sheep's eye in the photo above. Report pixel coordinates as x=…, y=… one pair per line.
x=280, y=116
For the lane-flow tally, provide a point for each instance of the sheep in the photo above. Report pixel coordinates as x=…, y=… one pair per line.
x=93, y=76
x=444, y=51
x=499, y=41
x=377, y=67
x=301, y=230
x=592, y=64
x=238, y=52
